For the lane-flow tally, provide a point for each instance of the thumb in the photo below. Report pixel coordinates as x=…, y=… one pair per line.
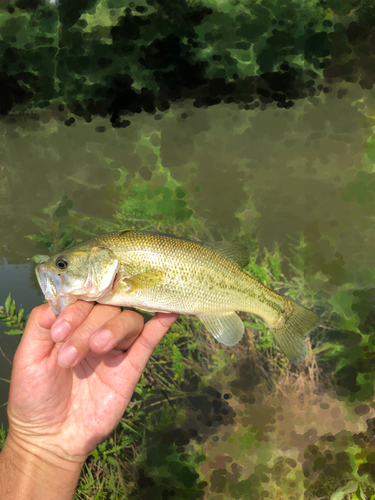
x=36, y=342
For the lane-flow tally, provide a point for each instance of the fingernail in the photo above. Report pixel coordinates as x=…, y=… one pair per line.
x=60, y=330
x=67, y=356
x=102, y=338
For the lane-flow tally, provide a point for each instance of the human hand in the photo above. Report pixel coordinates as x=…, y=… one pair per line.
x=61, y=414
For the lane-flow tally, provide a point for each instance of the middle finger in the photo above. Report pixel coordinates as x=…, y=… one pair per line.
x=76, y=347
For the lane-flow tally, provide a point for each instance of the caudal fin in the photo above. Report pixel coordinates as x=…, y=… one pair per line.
x=291, y=330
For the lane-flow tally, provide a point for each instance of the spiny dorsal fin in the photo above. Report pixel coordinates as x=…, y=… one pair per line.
x=237, y=252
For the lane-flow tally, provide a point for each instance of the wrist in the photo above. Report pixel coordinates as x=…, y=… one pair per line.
x=30, y=473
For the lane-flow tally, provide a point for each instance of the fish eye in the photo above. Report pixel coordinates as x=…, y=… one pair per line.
x=61, y=263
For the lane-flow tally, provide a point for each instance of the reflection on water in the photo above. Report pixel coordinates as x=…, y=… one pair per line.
x=276, y=173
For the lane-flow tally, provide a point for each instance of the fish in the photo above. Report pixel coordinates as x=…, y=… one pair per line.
x=159, y=272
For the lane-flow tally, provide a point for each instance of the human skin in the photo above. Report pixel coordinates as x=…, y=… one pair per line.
x=68, y=391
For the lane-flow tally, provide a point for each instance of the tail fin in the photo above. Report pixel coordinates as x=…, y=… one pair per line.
x=292, y=328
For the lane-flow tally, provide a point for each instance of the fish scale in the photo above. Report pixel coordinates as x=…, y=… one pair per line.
x=202, y=270
x=159, y=272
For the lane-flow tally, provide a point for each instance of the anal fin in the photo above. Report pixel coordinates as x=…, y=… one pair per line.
x=226, y=328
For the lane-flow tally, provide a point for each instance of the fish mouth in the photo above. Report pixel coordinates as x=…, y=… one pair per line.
x=52, y=288
x=46, y=283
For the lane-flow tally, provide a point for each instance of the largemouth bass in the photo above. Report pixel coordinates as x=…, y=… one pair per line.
x=159, y=272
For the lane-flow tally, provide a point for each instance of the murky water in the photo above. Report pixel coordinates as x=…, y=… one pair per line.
x=275, y=173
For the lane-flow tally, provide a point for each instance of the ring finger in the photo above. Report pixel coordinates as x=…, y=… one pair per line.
x=118, y=333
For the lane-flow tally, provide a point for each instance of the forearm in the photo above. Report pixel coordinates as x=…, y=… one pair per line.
x=26, y=476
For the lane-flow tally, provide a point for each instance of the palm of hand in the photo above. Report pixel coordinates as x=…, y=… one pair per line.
x=67, y=412
x=84, y=402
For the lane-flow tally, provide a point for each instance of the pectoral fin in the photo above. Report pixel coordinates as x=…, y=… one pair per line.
x=148, y=279
x=226, y=328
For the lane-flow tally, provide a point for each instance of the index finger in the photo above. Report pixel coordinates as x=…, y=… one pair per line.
x=70, y=319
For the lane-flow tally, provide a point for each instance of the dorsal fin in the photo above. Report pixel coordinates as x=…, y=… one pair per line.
x=237, y=252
